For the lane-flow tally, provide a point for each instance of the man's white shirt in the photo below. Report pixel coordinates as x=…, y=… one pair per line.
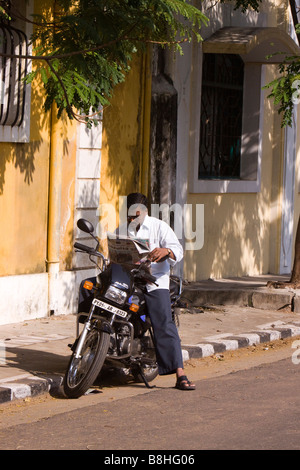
x=160, y=235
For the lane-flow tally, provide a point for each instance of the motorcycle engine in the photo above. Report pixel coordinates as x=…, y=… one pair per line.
x=121, y=343
x=133, y=347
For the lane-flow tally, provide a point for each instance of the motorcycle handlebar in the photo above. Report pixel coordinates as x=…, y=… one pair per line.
x=87, y=249
x=149, y=277
x=143, y=274
x=139, y=272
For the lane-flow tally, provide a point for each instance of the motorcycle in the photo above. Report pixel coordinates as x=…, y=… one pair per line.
x=117, y=330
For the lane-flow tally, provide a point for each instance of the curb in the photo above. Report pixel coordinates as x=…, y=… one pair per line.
x=31, y=386
x=261, y=297
x=228, y=342
x=26, y=387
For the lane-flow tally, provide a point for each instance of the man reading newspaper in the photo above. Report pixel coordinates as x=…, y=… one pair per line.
x=165, y=251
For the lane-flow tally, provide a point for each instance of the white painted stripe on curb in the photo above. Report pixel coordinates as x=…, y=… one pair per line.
x=253, y=338
x=185, y=355
x=230, y=344
x=274, y=334
x=207, y=349
x=19, y=390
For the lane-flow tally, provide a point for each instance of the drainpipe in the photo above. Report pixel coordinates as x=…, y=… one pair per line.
x=54, y=214
x=146, y=123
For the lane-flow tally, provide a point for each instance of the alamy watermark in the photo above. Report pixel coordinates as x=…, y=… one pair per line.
x=296, y=94
x=296, y=354
x=2, y=353
x=3, y=95
x=187, y=220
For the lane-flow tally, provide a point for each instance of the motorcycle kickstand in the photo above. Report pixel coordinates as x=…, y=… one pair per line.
x=141, y=373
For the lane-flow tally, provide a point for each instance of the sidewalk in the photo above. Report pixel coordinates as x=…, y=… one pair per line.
x=217, y=316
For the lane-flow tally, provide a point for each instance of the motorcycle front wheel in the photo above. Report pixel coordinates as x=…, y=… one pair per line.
x=83, y=371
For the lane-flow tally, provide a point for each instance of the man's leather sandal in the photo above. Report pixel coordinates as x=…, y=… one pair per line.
x=184, y=384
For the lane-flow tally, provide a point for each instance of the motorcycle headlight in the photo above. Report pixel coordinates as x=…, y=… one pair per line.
x=116, y=295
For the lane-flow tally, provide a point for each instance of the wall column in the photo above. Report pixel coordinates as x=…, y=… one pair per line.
x=54, y=214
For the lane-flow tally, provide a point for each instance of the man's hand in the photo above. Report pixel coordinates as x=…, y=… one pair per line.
x=160, y=254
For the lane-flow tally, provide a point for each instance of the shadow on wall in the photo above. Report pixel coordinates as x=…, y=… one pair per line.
x=121, y=154
x=23, y=204
x=243, y=238
x=22, y=155
x=236, y=238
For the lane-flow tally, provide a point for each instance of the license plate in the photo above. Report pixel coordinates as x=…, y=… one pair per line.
x=109, y=308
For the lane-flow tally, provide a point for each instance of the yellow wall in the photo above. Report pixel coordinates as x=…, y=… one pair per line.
x=63, y=141
x=123, y=146
x=24, y=189
x=23, y=197
x=25, y=172
x=23, y=208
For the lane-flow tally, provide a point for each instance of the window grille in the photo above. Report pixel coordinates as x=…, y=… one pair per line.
x=13, y=42
x=221, y=116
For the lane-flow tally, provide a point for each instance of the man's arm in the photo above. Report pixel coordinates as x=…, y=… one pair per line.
x=170, y=247
x=160, y=254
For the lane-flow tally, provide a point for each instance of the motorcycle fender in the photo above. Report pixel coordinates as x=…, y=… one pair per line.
x=104, y=326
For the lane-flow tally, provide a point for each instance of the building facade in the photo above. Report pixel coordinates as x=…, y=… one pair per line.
x=52, y=172
x=196, y=133
x=233, y=157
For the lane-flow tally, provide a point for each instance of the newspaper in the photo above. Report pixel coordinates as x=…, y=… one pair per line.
x=126, y=250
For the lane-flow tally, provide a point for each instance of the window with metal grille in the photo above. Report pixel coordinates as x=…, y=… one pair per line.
x=221, y=116
x=13, y=70
x=14, y=93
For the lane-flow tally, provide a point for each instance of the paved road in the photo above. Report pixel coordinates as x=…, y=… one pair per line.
x=251, y=404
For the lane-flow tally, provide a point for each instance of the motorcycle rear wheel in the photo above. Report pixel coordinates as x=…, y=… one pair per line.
x=82, y=372
x=149, y=372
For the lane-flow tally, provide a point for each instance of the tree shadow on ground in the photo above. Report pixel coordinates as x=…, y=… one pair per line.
x=52, y=366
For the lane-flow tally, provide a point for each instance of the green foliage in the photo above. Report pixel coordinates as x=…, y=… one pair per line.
x=88, y=50
x=4, y=10
x=285, y=88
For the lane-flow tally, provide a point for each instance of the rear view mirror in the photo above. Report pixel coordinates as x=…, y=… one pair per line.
x=85, y=225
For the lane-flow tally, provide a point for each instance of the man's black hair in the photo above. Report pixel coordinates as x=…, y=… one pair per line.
x=136, y=198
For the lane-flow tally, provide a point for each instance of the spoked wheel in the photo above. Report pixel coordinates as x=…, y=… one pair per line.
x=83, y=371
x=150, y=372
